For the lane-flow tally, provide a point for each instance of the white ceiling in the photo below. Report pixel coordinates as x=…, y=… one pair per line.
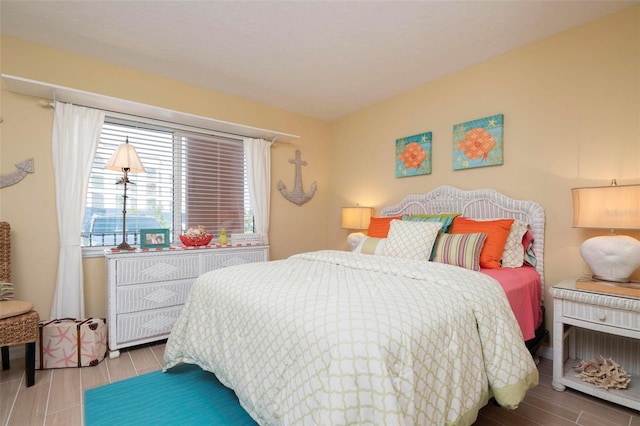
x=324, y=59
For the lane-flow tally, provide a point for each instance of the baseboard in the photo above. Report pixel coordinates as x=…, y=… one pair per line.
x=545, y=352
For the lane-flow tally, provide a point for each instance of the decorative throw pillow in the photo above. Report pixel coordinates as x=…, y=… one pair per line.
x=370, y=246
x=459, y=250
x=497, y=232
x=411, y=240
x=445, y=218
x=513, y=254
x=379, y=226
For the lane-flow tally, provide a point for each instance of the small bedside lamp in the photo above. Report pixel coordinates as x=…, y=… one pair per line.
x=611, y=257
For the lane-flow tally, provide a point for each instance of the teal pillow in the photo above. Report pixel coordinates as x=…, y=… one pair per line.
x=445, y=218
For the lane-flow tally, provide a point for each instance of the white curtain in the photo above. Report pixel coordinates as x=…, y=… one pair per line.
x=258, y=157
x=76, y=133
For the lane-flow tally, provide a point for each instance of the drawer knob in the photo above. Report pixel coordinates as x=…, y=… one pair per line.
x=602, y=315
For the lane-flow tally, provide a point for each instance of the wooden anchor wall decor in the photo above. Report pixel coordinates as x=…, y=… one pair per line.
x=23, y=167
x=297, y=196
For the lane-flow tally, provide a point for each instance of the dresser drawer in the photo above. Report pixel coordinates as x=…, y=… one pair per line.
x=601, y=315
x=143, y=325
x=142, y=297
x=231, y=257
x=156, y=268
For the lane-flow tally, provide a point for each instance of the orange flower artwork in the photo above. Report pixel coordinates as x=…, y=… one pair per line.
x=478, y=143
x=413, y=155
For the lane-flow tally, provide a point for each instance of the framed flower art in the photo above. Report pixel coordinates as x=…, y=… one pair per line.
x=413, y=155
x=478, y=143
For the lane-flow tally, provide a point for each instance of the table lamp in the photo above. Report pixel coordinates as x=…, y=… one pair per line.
x=126, y=160
x=356, y=218
x=611, y=257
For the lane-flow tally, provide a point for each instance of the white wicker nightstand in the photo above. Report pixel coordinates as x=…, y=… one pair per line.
x=590, y=324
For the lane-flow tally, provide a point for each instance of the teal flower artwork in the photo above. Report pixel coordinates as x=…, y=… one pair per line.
x=478, y=143
x=413, y=155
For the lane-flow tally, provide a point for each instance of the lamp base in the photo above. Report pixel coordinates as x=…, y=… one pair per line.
x=124, y=246
x=612, y=257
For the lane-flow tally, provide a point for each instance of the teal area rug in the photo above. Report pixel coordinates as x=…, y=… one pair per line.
x=184, y=395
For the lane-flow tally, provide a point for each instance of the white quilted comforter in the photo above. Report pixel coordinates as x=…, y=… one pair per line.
x=331, y=338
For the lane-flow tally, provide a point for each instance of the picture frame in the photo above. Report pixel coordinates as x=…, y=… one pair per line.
x=413, y=155
x=154, y=238
x=478, y=143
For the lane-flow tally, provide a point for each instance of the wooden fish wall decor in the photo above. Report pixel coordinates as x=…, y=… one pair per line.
x=23, y=167
x=297, y=196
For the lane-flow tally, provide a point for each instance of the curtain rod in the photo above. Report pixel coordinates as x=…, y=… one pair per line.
x=117, y=114
x=47, y=91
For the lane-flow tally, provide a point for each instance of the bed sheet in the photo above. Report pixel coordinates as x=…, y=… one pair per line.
x=522, y=287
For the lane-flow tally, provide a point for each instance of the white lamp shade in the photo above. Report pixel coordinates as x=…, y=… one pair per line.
x=125, y=157
x=608, y=207
x=356, y=217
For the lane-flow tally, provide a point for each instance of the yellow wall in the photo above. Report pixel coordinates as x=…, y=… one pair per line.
x=571, y=106
x=30, y=206
x=572, y=118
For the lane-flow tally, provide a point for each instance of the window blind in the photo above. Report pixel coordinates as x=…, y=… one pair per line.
x=190, y=179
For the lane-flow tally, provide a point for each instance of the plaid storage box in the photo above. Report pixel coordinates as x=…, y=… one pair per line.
x=71, y=342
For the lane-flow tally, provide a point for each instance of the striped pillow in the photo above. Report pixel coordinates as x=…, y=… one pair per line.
x=370, y=246
x=460, y=250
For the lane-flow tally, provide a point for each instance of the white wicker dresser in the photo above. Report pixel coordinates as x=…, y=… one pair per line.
x=146, y=290
x=590, y=324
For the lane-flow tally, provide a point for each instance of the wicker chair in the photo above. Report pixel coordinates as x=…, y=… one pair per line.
x=18, y=320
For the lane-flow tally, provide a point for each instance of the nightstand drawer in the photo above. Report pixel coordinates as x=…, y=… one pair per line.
x=601, y=315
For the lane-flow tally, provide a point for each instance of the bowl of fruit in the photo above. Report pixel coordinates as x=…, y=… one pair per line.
x=195, y=237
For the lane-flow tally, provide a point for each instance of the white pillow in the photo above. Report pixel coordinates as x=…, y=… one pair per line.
x=411, y=240
x=513, y=254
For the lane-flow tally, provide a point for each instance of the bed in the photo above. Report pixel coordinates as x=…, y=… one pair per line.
x=333, y=337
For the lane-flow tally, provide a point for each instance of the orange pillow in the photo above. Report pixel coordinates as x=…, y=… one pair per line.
x=497, y=232
x=379, y=226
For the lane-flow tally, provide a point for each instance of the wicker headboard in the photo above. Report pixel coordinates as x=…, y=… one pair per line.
x=5, y=252
x=478, y=204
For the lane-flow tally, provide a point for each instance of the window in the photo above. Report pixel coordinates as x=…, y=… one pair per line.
x=190, y=179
